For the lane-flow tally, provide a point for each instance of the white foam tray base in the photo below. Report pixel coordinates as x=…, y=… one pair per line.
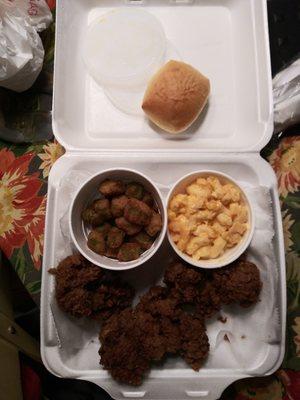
x=174, y=379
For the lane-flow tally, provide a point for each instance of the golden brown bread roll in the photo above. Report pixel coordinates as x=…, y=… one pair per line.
x=175, y=96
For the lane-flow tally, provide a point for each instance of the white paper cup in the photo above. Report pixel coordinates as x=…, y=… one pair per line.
x=87, y=193
x=230, y=255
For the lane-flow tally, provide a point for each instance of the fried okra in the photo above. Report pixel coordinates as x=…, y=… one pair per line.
x=91, y=217
x=137, y=212
x=104, y=229
x=115, y=238
x=134, y=190
x=127, y=227
x=117, y=206
x=96, y=242
x=110, y=188
x=102, y=207
x=148, y=199
x=111, y=253
x=129, y=252
x=155, y=224
x=97, y=213
x=144, y=240
x=119, y=215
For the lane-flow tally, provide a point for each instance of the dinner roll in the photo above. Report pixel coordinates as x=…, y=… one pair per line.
x=175, y=96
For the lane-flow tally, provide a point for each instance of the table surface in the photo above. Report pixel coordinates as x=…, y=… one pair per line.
x=24, y=169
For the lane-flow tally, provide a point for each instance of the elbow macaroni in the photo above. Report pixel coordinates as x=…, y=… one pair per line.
x=208, y=219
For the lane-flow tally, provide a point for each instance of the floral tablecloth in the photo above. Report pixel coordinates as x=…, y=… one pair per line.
x=24, y=170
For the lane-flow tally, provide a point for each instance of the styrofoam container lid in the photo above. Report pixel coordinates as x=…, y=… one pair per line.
x=123, y=47
x=225, y=40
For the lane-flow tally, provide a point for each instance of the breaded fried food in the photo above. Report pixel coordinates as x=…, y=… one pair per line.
x=154, y=329
x=238, y=283
x=91, y=217
x=120, y=352
x=161, y=324
x=129, y=228
x=158, y=303
x=96, y=242
x=111, y=187
x=183, y=280
x=85, y=290
x=195, y=344
x=129, y=252
x=208, y=301
x=109, y=298
x=137, y=212
x=117, y=206
x=148, y=330
x=104, y=229
x=134, y=190
x=148, y=199
x=102, y=207
x=144, y=240
x=115, y=238
x=154, y=225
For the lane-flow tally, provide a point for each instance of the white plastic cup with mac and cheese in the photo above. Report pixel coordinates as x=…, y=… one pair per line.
x=210, y=219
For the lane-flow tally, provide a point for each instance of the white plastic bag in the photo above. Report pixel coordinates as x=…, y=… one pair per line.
x=286, y=94
x=21, y=48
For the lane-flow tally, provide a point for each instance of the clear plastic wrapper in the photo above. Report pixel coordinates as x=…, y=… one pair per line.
x=21, y=48
x=286, y=93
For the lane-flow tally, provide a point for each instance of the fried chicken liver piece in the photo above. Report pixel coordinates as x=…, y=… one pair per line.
x=121, y=353
x=183, y=280
x=84, y=290
x=195, y=344
x=238, y=283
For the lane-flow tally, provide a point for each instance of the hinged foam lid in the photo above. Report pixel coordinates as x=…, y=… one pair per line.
x=226, y=41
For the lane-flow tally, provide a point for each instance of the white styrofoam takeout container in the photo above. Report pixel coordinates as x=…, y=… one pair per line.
x=228, y=41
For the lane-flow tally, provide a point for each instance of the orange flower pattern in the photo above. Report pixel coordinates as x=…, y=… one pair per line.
x=20, y=205
x=285, y=161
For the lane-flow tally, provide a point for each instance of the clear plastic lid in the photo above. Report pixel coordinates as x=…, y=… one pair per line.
x=124, y=47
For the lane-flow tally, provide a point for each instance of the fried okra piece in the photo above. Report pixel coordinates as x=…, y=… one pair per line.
x=148, y=199
x=137, y=212
x=134, y=190
x=155, y=224
x=96, y=242
x=117, y=206
x=110, y=188
x=102, y=207
x=127, y=227
x=91, y=217
x=104, y=229
x=115, y=238
x=129, y=252
x=144, y=240
x=111, y=253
